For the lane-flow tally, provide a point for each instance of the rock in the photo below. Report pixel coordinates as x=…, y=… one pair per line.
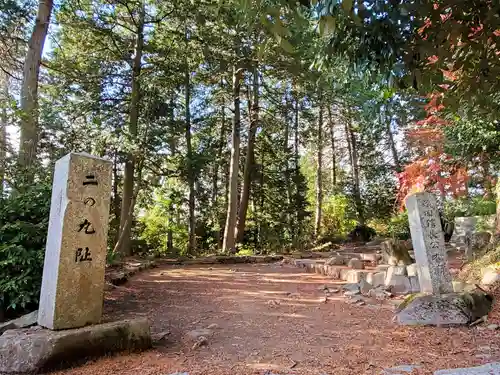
x=479, y=240
x=488, y=369
x=365, y=287
x=213, y=326
x=371, y=257
x=399, y=284
x=375, y=242
x=355, y=276
x=493, y=327
x=395, y=251
x=195, y=334
x=350, y=287
x=33, y=350
x=397, y=270
x=379, y=293
x=356, y=264
x=350, y=293
x=160, y=336
x=411, y=270
x=444, y=310
x=490, y=276
x=202, y=340
x=414, y=284
x=24, y=321
x=336, y=260
x=377, y=278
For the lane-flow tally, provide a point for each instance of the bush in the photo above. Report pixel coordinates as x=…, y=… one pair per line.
x=476, y=206
x=24, y=222
x=336, y=223
x=396, y=226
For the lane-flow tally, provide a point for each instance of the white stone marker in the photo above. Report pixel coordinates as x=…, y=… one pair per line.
x=428, y=244
x=75, y=254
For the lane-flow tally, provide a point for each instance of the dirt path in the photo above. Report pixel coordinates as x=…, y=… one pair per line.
x=272, y=319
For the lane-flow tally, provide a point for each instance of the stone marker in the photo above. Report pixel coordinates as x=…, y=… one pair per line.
x=428, y=244
x=75, y=254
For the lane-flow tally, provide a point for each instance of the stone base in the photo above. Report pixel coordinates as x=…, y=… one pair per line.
x=35, y=349
x=443, y=310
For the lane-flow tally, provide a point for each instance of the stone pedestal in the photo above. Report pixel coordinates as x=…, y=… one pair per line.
x=428, y=244
x=75, y=255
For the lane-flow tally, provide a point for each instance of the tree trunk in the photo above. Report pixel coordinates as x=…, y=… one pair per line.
x=189, y=156
x=215, y=189
x=390, y=137
x=296, y=156
x=332, y=141
x=250, y=157
x=497, y=221
x=319, y=172
x=3, y=130
x=353, y=150
x=229, y=245
x=29, y=87
x=127, y=210
x=116, y=198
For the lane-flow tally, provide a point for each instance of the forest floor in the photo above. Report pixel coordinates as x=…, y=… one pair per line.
x=272, y=319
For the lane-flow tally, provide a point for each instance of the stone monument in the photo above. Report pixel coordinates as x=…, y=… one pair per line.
x=75, y=255
x=428, y=244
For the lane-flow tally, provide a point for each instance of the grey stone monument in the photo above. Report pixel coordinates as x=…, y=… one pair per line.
x=75, y=256
x=428, y=243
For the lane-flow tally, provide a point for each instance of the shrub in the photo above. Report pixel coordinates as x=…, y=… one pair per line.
x=336, y=223
x=24, y=222
x=476, y=206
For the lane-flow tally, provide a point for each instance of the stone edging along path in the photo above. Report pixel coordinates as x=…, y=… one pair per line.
x=120, y=273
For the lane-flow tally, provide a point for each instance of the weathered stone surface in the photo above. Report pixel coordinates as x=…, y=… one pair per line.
x=399, y=284
x=355, y=276
x=488, y=369
x=31, y=350
x=379, y=293
x=382, y=267
x=396, y=270
x=414, y=284
x=412, y=269
x=371, y=257
x=75, y=256
x=444, y=310
x=336, y=260
x=376, y=278
x=375, y=242
x=365, y=287
x=428, y=243
x=24, y=321
x=195, y=334
x=351, y=287
x=356, y=264
x=395, y=252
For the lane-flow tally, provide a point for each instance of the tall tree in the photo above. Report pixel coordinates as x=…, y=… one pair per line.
x=250, y=155
x=29, y=88
x=319, y=169
x=129, y=183
x=229, y=243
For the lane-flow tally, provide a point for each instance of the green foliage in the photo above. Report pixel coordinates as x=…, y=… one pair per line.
x=476, y=206
x=162, y=220
x=336, y=222
x=395, y=226
x=23, y=229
